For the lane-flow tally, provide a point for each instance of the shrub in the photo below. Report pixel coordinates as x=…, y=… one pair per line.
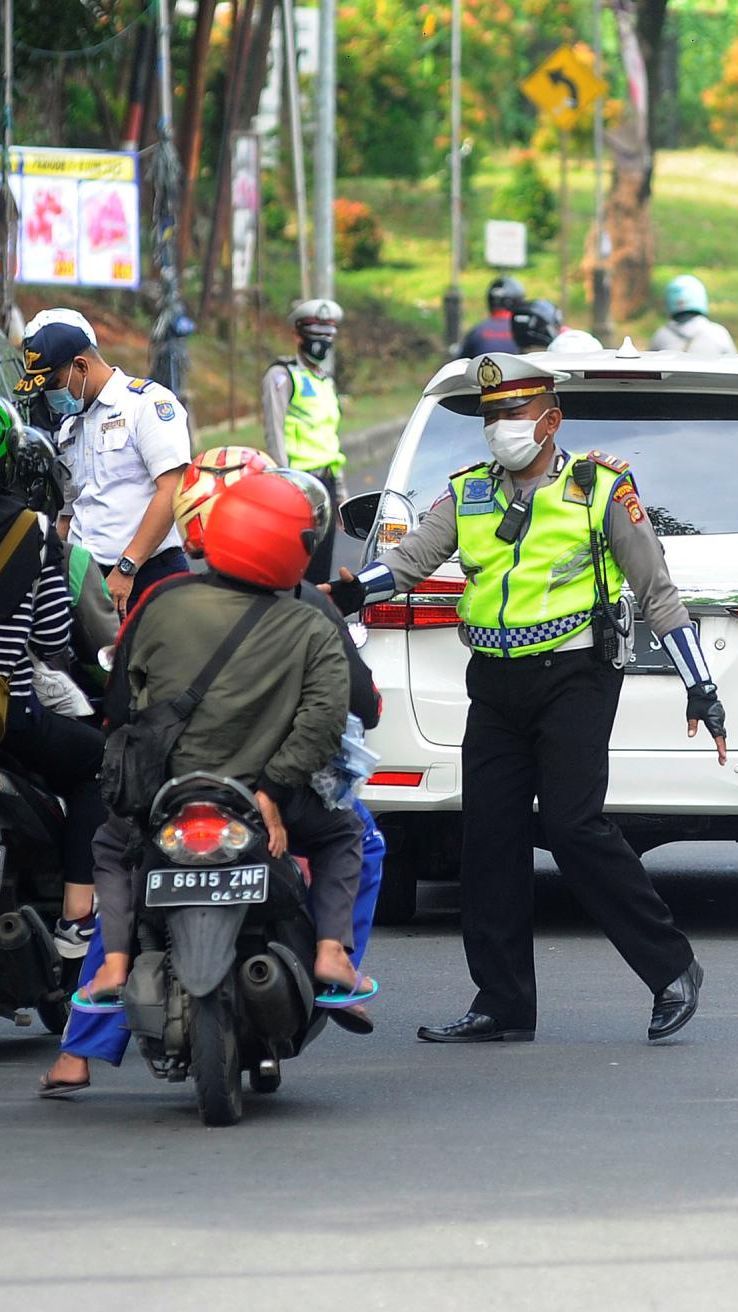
x=358, y=235
x=527, y=198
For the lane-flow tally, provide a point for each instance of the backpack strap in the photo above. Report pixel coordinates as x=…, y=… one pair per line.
x=187, y=701
x=15, y=535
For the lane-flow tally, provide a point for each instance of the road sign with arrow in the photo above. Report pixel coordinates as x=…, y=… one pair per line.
x=563, y=86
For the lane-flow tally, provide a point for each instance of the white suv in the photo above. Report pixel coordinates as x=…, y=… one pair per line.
x=675, y=418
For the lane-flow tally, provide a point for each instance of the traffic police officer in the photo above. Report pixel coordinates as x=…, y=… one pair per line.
x=302, y=414
x=126, y=441
x=544, y=693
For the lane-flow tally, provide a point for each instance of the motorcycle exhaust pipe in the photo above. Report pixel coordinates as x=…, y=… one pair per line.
x=271, y=997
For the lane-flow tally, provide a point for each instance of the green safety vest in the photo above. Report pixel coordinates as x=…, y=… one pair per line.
x=529, y=596
x=311, y=423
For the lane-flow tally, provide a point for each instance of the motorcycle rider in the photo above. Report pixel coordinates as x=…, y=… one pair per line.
x=494, y=333
x=689, y=328
x=102, y=1036
x=535, y=325
x=258, y=539
x=35, y=623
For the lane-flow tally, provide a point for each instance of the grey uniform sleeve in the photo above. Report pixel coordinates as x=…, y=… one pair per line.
x=276, y=392
x=640, y=556
x=421, y=552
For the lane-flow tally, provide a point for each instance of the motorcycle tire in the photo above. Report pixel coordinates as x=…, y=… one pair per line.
x=54, y=1015
x=216, y=1065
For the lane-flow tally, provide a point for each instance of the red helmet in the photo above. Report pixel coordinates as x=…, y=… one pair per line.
x=204, y=480
x=264, y=529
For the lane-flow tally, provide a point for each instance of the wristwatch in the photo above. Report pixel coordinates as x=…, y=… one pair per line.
x=126, y=566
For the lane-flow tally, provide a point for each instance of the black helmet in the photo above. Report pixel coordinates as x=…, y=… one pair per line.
x=31, y=470
x=504, y=294
x=536, y=324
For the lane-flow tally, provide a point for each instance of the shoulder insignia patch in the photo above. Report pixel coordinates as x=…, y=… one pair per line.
x=613, y=463
x=626, y=495
x=467, y=469
x=140, y=384
x=165, y=410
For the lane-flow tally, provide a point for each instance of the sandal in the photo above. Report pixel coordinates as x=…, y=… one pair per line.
x=96, y=1004
x=337, y=995
x=60, y=1088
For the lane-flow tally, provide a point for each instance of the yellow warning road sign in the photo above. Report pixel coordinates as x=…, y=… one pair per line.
x=563, y=86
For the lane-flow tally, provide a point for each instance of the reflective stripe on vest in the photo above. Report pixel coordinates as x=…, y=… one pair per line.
x=311, y=423
x=531, y=595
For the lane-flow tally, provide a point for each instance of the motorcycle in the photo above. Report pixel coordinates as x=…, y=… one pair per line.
x=222, y=983
x=32, y=974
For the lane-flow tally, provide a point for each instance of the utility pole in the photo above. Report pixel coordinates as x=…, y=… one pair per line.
x=452, y=299
x=601, y=322
x=298, y=157
x=169, y=360
x=8, y=214
x=325, y=150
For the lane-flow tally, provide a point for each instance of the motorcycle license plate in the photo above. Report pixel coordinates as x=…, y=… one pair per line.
x=206, y=888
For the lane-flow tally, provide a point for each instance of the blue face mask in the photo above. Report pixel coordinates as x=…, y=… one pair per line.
x=61, y=401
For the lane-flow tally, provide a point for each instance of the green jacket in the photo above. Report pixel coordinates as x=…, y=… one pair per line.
x=275, y=713
x=530, y=595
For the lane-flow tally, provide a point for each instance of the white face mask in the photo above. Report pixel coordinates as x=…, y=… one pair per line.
x=512, y=443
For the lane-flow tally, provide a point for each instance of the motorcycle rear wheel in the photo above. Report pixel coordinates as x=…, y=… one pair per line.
x=216, y=1065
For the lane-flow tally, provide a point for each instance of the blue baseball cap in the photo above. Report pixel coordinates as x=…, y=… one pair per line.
x=52, y=339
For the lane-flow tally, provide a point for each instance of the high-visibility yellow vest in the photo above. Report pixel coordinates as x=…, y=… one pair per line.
x=311, y=423
x=529, y=596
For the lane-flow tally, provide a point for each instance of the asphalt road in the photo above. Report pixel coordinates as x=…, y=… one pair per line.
x=586, y=1170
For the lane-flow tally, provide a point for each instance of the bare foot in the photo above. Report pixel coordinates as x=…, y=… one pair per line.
x=68, y=1069
x=333, y=966
x=111, y=975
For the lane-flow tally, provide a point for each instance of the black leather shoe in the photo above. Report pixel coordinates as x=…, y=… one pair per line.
x=677, y=1003
x=474, y=1027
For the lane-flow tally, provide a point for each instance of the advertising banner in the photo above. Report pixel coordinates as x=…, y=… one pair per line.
x=245, y=205
x=79, y=216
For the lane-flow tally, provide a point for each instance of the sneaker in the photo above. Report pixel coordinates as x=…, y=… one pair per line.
x=72, y=937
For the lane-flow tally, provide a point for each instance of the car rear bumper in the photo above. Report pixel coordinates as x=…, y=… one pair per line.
x=641, y=783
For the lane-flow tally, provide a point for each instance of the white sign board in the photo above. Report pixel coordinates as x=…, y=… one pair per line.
x=79, y=216
x=506, y=244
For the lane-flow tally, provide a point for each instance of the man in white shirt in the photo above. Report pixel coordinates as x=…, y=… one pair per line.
x=126, y=442
x=689, y=328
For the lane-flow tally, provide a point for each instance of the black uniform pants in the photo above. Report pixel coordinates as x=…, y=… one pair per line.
x=540, y=726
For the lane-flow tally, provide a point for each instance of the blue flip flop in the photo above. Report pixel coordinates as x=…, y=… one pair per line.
x=100, y=1003
x=335, y=996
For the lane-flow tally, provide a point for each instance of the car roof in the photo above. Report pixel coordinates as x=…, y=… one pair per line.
x=600, y=369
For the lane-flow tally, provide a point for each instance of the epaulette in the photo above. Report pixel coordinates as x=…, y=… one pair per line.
x=467, y=469
x=140, y=385
x=613, y=463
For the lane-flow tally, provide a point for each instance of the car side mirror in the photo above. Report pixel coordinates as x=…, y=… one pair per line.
x=359, y=513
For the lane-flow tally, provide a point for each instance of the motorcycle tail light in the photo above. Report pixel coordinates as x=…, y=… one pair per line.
x=202, y=832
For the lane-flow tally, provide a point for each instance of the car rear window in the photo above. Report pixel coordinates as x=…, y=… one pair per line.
x=683, y=449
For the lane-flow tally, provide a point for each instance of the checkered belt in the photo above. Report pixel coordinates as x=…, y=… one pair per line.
x=528, y=636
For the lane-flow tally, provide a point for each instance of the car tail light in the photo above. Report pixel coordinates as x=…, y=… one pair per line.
x=430, y=605
x=396, y=778
x=202, y=832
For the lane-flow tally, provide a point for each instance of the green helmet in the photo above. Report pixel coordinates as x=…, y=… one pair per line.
x=10, y=422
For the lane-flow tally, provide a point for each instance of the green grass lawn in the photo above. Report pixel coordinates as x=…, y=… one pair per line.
x=695, y=218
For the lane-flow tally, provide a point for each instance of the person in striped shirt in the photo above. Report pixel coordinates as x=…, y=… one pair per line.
x=35, y=621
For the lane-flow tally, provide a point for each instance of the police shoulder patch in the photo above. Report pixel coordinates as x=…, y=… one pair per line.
x=468, y=469
x=140, y=385
x=613, y=463
x=165, y=410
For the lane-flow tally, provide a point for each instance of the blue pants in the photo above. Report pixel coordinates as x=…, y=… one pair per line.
x=106, y=1037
